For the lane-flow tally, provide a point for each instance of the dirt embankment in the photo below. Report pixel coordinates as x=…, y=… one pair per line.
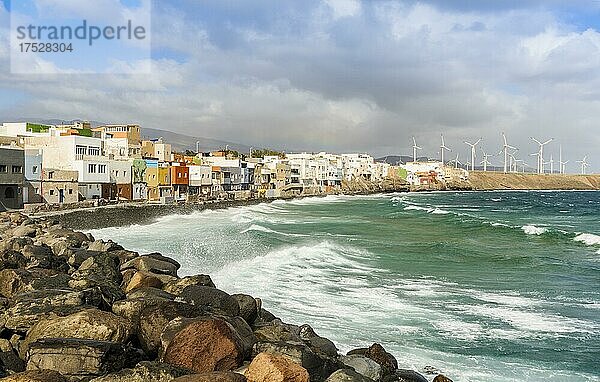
x=480, y=180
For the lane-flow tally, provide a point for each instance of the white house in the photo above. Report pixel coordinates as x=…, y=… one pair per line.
x=76, y=153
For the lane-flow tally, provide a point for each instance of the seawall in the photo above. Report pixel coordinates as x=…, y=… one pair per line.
x=485, y=181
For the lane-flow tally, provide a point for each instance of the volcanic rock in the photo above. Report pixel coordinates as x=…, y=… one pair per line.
x=347, y=375
x=90, y=324
x=77, y=358
x=267, y=367
x=145, y=371
x=211, y=298
x=202, y=345
x=215, y=376
x=248, y=307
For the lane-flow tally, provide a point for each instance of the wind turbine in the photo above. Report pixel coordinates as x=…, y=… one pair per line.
x=505, y=148
x=415, y=148
x=551, y=164
x=541, y=155
x=442, y=148
x=562, y=164
x=456, y=162
x=584, y=164
x=473, y=152
x=512, y=162
x=485, y=160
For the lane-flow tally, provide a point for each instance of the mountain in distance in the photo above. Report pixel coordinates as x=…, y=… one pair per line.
x=179, y=142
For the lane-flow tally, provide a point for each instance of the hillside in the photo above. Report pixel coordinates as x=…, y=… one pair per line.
x=480, y=180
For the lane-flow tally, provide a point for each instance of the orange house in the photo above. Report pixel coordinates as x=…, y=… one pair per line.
x=180, y=178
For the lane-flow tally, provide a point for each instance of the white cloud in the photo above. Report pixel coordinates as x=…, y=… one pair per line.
x=344, y=8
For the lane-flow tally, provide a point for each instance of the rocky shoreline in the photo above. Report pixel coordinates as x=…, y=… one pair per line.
x=79, y=309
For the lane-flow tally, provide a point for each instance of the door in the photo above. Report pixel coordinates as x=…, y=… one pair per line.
x=61, y=196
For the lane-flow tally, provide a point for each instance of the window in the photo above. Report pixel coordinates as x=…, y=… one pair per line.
x=92, y=168
x=34, y=169
x=36, y=190
x=102, y=168
x=94, y=150
x=3, y=168
x=80, y=150
x=17, y=169
x=51, y=192
x=70, y=191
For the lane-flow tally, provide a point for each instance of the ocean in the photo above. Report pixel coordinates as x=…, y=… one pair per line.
x=483, y=286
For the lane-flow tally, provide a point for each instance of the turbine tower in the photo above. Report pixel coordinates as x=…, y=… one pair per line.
x=485, y=160
x=442, y=148
x=541, y=153
x=505, y=148
x=456, y=162
x=473, y=152
x=415, y=148
x=561, y=164
x=584, y=164
x=551, y=164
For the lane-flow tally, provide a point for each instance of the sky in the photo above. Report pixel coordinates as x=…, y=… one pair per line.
x=345, y=75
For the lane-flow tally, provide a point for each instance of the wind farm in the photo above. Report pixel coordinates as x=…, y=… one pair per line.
x=507, y=160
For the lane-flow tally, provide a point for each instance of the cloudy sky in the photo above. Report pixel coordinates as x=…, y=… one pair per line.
x=346, y=75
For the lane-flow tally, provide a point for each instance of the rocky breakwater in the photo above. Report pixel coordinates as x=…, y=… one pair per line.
x=78, y=309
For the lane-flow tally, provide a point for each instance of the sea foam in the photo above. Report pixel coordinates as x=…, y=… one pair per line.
x=588, y=239
x=530, y=229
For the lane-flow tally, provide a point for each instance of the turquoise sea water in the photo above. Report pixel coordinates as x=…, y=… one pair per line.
x=484, y=286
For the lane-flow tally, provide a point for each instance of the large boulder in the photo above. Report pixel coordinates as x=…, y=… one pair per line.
x=277, y=331
x=142, y=279
x=150, y=293
x=441, y=378
x=348, y=375
x=318, y=366
x=402, y=375
x=79, y=359
x=154, y=263
x=211, y=298
x=156, y=316
x=15, y=243
x=215, y=376
x=202, y=345
x=377, y=353
x=14, y=281
x=24, y=231
x=10, y=259
x=9, y=360
x=41, y=256
x=318, y=344
x=36, y=376
x=248, y=307
x=145, y=371
x=177, y=286
x=90, y=324
x=104, y=246
x=266, y=367
x=100, y=268
x=30, y=307
x=363, y=365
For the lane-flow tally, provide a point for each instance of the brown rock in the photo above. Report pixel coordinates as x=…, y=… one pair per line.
x=36, y=376
x=275, y=368
x=90, y=324
x=154, y=264
x=441, y=378
x=177, y=286
x=202, y=345
x=216, y=376
x=13, y=281
x=141, y=279
x=156, y=316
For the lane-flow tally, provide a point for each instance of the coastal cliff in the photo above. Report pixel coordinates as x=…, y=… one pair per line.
x=79, y=309
x=484, y=181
